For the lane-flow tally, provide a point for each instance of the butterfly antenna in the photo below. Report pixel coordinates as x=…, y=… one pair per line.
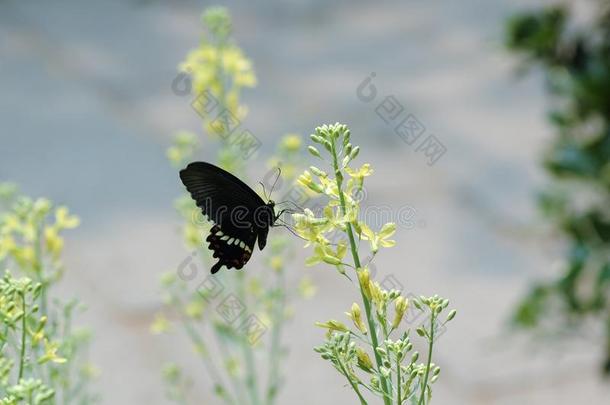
x=279, y=172
x=264, y=191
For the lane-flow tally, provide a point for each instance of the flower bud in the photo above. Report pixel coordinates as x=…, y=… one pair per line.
x=333, y=325
x=346, y=136
x=314, y=151
x=327, y=145
x=317, y=138
x=317, y=172
x=356, y=315
x=364, y=361
x=401, y=304
x=364, y=279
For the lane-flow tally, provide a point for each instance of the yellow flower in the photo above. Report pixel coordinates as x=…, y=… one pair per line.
x=324, y=253
x=306, y=181
x=159, y=325
x=329, y=187
x=311, y=228
x=50, y=353
x=64, y=220
x=194, y=309
x=25, y=256
x=192, y=235
x=335, y=219
x=276, y=263
x=7, y=245
x=236, y=64
x=53, y=241
x=41, y=207
x=359, y=175
x=11, y=224
x=291, y=142
x=378, y=239
x=307, y=289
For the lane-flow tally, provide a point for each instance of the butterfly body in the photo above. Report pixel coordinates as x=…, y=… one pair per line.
x=240, y=216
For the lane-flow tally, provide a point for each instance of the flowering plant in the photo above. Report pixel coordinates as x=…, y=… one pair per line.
x=43, y=358
x=394, y=375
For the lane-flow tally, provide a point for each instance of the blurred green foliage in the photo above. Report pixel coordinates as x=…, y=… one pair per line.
x=575, y=59
x=43, y=357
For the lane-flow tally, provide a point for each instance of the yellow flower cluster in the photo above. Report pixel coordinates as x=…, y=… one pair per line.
x=26, y=229
x=219, y=68
x=342, y=208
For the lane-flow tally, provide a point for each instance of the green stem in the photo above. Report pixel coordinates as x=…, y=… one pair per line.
x=199, y=342
x=38, y=269
x=398, y=382
x=251, y=383
x=23, y=330
x=226, y=356
x=345, y=373
x=276, y=347
x=430, y=345
x=367, y=305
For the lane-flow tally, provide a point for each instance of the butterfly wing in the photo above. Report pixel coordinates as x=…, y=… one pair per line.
x=231, y=205
x=230, y=251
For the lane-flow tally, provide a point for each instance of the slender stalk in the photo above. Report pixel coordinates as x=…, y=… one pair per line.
x=66, y=371
x=276, y=347
x=430, y=345
x=251, y=372
x=251, y=382
x=367, y=305
x=39, y=270
x=345, y=373
x=199, y=342
x=398, y=382
x=224, y=353
x=23, y=330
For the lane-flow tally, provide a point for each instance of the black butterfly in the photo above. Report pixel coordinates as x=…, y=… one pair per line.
x=240, y=216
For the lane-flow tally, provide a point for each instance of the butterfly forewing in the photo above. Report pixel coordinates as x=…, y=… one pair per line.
x=238, y=213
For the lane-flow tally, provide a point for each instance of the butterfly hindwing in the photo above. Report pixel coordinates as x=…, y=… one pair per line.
x=230, y=251
x=238, y=213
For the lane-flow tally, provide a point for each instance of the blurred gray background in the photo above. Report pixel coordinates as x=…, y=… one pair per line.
x=87, y=112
